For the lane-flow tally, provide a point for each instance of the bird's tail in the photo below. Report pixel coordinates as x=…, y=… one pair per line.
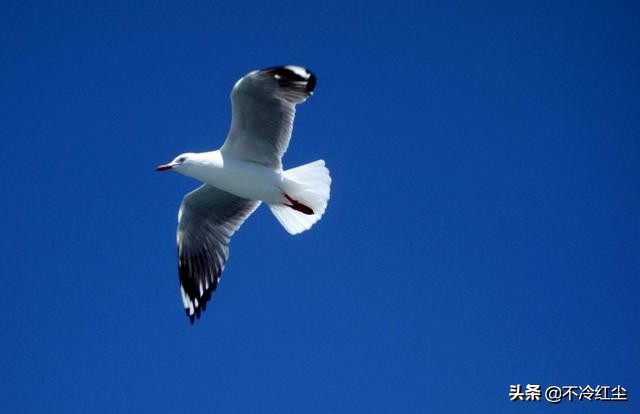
x=306, y=191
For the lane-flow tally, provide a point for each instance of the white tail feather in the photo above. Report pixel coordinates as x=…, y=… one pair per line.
x=309, y=184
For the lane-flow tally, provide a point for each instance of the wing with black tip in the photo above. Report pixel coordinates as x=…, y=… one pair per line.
x=264, y=105
x=207, y=219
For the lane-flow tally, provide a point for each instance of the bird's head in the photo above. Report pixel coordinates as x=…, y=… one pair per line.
x=179, y=163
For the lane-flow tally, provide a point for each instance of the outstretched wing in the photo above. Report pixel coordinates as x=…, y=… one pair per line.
x=207, y=219
x=263, y=105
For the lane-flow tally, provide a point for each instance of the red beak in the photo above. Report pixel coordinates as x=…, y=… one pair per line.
x=164, y=167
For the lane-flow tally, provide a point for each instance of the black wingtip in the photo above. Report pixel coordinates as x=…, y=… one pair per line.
x=295, y=74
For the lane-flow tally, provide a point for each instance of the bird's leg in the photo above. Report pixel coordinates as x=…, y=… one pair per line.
x=298, y=206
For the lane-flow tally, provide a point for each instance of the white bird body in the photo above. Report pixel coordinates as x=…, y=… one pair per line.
x=244, y=179
x=244, y=172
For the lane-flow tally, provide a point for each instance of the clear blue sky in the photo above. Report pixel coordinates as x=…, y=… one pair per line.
x=483, y=228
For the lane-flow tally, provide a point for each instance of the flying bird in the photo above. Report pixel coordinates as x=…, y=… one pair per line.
x=244, y=172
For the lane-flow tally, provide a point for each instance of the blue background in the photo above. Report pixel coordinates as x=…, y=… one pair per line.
x=483, y=228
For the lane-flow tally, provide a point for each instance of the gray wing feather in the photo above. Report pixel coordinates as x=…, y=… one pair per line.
x=207, y=219
x=263, y=105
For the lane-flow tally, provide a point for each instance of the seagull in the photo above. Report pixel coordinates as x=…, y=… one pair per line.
x=244, y=172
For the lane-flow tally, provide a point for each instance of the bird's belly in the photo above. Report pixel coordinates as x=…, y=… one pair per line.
x=248, y=180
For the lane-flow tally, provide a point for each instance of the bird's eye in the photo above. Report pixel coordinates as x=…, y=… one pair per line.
x=182, y=159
